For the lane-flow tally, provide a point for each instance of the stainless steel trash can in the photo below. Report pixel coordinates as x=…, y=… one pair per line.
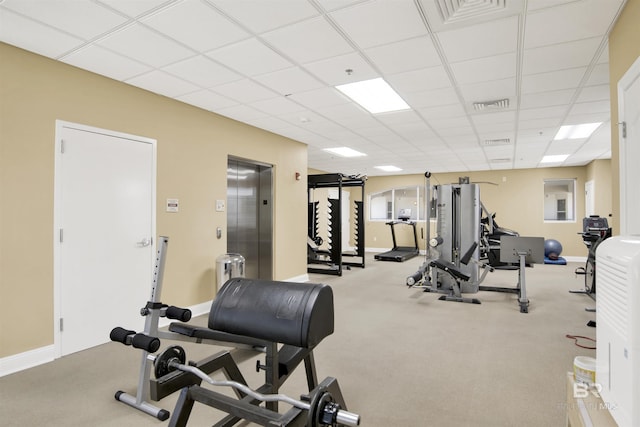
x=228, y=266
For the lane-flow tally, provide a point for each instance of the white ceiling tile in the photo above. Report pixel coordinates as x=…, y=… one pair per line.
x=496, y=67
x=162, y=83
x=308, y=41
x=442, y=112
x=590, y=107
x=599, y=75
x=559, y=56
x=477, y=41
x=349, y=115
x=397, y=117
x=333, y=71
x=431, y=98
x=63, y=14
x=261, y=16
x=543, y=112
x=202, y=71
x=576, y=119
x=404, y=55
x=569, y=21
x=594, y=93
x=546, y=99
x=454, y=133
x=541, y=123
x=250, y=57
x=380, y=22
x=318, y=99
x=566, y=146
x=244, y=91
x=289, y=81
x=277, y=106
x=242, y=113
x=196, y=25
x=145, y=46
x=135, y=8
x=35, y=37
x=419, y=80
x=555, y=80
x=454, y=123
x=489, y=91
x=208, y=100
x=102, y=61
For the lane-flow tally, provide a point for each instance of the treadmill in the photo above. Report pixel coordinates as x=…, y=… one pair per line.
x=400, y=253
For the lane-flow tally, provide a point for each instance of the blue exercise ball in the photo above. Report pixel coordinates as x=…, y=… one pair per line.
x=552, y=248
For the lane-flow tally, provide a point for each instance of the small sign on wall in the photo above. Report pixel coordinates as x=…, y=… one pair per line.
x=172, y=205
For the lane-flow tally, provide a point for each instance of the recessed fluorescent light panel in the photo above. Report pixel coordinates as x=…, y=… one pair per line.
x=388, y=168
x=375, y=95
x=554, y=159
x=577, y=131
x=345, y=152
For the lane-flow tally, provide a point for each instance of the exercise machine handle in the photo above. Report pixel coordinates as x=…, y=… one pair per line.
x=145, y=342
x=121, y=335
x=177, y=313
x=141, y=341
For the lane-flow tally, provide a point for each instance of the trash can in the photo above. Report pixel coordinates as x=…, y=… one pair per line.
x=228, y=266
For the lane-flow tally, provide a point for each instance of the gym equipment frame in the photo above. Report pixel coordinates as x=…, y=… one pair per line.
x=452, y=265
x=297, y=316
x=279, y=362
x=524, y=251
x=332, y=260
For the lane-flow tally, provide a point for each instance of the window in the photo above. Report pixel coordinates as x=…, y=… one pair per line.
x=397, y=204
x=559, y=200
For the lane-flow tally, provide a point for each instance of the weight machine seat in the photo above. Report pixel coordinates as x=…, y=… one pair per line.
x=298, y=314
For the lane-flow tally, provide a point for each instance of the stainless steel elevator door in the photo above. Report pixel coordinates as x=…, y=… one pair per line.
x=249, y=216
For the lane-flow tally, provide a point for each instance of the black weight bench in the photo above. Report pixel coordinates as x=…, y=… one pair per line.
x=287, y=319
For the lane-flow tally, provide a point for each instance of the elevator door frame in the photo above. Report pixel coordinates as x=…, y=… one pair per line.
x=258, y=265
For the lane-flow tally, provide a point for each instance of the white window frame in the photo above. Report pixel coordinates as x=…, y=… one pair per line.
x=419, y=209
x=551, y=198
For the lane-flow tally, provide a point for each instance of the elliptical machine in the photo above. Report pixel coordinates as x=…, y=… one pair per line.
x=595, y=230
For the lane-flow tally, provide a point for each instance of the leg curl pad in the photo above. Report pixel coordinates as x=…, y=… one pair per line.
x=298, y=314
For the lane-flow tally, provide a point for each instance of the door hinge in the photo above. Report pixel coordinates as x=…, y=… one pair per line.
x=62, y=146
x=624, y=129
x=61, y=235
x=61, y=324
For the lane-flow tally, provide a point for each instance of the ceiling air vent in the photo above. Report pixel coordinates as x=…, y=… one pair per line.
x=494, y=142
x=497, y=104
x=500, y=160
x=459, y=10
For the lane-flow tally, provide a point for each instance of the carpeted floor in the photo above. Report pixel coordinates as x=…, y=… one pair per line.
x=402, y=358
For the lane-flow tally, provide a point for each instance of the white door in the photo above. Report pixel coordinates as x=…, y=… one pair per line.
x=589, y=198
x=629, y=131
x=104, y=225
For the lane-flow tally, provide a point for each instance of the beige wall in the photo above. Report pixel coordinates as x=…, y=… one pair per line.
x=517, y=201
x=599, y=171
x=193, y=146
x=624, y=49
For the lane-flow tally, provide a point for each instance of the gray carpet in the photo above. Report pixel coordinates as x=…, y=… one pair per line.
x=402, y=358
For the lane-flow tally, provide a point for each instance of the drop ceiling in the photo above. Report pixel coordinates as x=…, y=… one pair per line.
x=489, y=82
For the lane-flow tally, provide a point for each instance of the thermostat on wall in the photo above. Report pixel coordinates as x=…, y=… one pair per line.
x=172, y=205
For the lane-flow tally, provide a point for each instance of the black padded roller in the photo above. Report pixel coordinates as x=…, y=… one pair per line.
x=298, y=314
x=119, y=334
x=177, y=313
x=145, y=342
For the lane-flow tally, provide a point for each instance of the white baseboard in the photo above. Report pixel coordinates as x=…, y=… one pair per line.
x=581, y=259
x=300, y=278
x=26, y=360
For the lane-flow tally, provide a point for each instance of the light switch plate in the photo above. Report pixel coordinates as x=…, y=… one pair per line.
x=219, y=205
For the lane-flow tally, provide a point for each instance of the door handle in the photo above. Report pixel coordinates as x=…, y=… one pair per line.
x=144, y=242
